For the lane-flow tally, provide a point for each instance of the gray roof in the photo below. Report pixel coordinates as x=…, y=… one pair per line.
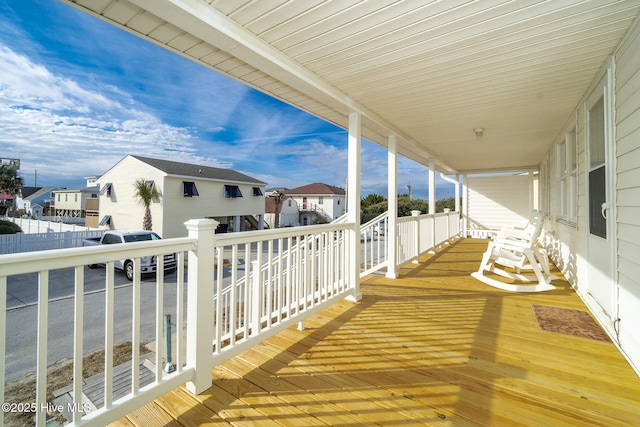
x=197, y=171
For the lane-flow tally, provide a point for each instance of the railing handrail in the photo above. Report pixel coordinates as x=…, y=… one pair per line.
x=21, y=263
x=267, y=234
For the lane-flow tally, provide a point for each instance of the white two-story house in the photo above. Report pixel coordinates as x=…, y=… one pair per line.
x=318, y=202
x=186, y=191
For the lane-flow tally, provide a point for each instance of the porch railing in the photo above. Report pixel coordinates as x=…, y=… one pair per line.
x=241, y=289
x=418, y=234
x=262, y=283
x=373, y=239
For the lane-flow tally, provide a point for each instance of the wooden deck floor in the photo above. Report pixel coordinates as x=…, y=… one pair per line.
x=435, y=347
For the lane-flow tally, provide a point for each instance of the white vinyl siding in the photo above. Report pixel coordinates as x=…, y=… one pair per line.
x=499, y=201
x=627, y=192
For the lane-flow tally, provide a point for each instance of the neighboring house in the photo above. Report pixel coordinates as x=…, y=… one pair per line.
x=318, y=202
x=6, y=198
x=187, y=191
x=289, y=215
x=34, y=201
x=21, y=197
x=73, y=202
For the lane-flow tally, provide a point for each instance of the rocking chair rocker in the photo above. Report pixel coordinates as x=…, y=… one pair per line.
x=517, y=249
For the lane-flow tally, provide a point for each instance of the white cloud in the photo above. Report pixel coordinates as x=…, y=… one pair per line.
x=66, y=131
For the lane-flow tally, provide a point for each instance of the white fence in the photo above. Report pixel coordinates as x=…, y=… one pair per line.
x=21, y=242
x=41, y=226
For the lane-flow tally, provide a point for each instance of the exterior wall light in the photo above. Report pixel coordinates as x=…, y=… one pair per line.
x=479, y=131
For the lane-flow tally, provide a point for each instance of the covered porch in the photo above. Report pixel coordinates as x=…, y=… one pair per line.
x=433, y=346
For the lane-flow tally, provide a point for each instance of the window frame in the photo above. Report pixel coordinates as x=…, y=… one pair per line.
x=189, y=189
x=232, y=192
x=567, y=173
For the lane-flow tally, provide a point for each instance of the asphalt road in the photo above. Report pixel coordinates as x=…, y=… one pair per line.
x=22, y=296
x=22, y=315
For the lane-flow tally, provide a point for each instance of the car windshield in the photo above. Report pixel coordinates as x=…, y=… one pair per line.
x=141, y=237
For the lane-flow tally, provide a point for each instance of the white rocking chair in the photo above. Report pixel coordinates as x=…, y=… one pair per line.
x=517, y=249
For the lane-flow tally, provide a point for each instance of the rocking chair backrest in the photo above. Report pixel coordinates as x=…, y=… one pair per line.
x=525, y=236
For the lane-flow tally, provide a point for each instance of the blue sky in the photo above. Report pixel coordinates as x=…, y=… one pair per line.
x=77, y=95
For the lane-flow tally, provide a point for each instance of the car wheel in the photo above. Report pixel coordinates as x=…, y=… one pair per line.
x=128, y=269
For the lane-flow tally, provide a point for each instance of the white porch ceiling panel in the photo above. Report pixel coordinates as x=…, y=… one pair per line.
x=429, y=72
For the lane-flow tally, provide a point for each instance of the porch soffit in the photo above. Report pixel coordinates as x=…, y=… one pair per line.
x=429, y=72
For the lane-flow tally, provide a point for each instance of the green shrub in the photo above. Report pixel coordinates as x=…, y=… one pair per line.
x=8, y=227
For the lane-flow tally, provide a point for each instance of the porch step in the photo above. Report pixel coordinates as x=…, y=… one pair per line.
x=93, y=387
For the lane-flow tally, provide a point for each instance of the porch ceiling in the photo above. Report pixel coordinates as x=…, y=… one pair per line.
x=428, y=71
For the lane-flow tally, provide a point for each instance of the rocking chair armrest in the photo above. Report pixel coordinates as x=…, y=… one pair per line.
x=512, y=233
x=511, y=245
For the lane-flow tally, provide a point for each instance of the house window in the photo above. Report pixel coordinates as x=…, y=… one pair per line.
x=106, y=220
x=76, y=197
x=338, y=201
x=257, y=191
x=149, y=183
x=567, y=174
x=232, y=192
x=106, y=190
x=320, y=200
x=189, y=189
x=59, y=197
x=289, y=202
x=66, y=197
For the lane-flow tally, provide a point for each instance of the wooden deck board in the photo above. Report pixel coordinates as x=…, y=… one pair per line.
x=433, y=347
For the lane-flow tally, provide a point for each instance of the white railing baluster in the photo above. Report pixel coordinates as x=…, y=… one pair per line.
x=258, y=308
x=218, y=301
x=280, y=280
x=41, y=369
x=179, y=311
x=247, y=303
x=78, y=330
x=3, y=337
x=108, y=335
x=159, y=318
x=135, y=328
x=232, y=318
x=289, y=278
x=269, y=296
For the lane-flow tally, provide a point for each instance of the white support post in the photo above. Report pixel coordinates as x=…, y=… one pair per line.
x=465, y=206
x=432, y=203
x=457, y=192
x=353, y=203
x=432, y=186
x=200, y=303
x=392, y=197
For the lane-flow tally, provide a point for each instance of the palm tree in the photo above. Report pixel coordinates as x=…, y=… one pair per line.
x=146, y=192
x=10, y=181
x=277, y=199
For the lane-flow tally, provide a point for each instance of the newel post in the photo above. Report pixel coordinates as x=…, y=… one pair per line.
x=200, y=310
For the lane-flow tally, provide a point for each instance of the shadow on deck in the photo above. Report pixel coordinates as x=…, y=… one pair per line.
x=433, y=347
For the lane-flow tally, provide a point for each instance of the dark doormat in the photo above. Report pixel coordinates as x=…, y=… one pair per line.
x=569, y=322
